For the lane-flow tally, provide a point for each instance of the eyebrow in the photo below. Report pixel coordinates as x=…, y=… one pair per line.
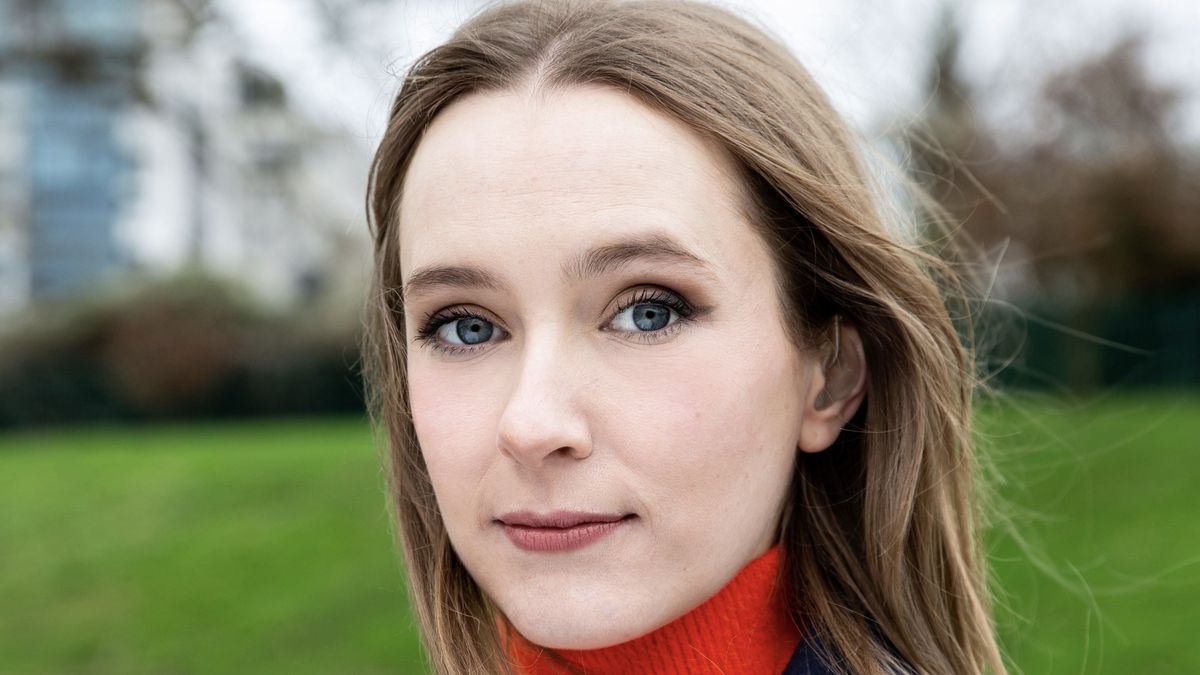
x=592, y=263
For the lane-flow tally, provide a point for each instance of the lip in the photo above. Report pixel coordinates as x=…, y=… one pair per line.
x=559, y=530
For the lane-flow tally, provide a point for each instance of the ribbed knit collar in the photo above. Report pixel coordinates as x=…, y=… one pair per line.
x=744, y=629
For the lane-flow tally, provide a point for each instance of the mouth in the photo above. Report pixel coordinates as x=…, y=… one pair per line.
x=559, y=519
x=561, y=531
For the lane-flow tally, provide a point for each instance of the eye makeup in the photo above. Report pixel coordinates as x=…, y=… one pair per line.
x=428, y=333
x=680, y=313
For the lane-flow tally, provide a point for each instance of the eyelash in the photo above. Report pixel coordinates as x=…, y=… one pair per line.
x=684, y=312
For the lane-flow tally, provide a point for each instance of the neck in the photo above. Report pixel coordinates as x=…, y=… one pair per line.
x=745, y=628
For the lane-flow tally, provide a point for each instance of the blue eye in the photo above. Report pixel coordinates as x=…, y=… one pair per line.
x=646, y=317
x=651, y=311
x=457, y=330
x=470, y=331
x=651, y=315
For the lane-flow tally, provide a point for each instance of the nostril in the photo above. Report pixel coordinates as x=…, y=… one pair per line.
x=577, y=453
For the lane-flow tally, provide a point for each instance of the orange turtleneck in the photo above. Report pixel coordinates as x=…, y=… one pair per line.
x=744, y=629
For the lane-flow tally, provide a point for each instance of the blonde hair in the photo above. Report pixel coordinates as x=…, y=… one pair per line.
x=882, y=530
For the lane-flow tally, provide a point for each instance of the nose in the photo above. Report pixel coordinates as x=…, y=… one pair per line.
x=543, y=417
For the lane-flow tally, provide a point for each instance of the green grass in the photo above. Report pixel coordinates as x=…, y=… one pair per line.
x=263, y=547
x=240, y=548
x=1106, y=496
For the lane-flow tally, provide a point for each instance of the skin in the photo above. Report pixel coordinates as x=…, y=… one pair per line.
x=569, y=404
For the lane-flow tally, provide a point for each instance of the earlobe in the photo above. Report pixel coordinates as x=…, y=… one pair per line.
x=837, y=389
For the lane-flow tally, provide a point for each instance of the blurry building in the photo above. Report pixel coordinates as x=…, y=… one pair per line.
x=134, y=138
x=67, y=71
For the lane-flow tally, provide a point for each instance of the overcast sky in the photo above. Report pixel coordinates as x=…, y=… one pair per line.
x=869, y=55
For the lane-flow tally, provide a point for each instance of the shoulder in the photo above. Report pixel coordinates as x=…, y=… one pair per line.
x=807, y=659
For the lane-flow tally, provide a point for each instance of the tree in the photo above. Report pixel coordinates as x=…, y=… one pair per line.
x=1097, y=207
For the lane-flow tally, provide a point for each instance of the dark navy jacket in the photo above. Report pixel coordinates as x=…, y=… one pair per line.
x=806, y=659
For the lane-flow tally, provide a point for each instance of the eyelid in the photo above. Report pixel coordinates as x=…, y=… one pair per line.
x=645, y=294
x=428, y=328
x=685, y=314
x=656, y=295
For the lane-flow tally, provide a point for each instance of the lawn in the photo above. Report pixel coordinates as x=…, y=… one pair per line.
x=1099, y=558
x=257, y=547
x=263, y=547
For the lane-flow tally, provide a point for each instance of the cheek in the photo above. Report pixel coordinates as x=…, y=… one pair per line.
x=745, y=391
x=453, y=417
x=717, y=420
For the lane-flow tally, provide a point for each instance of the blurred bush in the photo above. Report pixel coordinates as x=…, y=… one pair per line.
x=190, y=346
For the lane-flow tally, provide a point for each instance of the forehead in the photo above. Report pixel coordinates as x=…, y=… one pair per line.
x=560, y=170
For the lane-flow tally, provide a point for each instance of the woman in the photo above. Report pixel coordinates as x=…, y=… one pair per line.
x=662, y=392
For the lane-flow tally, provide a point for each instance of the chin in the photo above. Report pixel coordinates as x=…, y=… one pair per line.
x=574, y=625
x=576, y=637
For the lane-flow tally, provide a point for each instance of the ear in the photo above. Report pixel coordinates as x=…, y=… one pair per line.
x=837, y=387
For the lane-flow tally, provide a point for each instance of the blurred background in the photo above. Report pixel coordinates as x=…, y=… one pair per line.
x=187, y=479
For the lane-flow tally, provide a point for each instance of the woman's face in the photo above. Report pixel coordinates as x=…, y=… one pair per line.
x=593, y=326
